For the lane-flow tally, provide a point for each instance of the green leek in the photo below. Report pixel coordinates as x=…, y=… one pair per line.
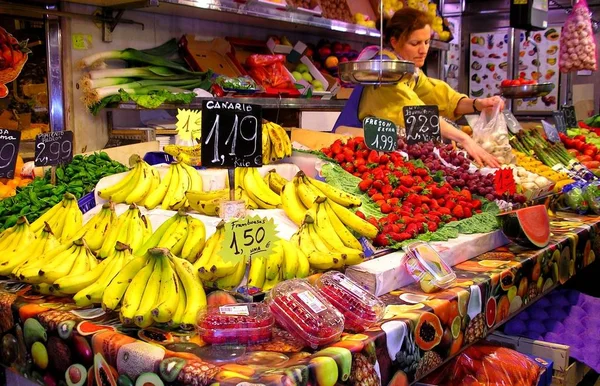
x=130, y=55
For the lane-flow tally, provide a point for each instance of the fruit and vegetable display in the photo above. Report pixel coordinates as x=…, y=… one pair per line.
x=301, y=72
x=78, y=178
x=8, y=187
x=326, y=55
x=152, y=79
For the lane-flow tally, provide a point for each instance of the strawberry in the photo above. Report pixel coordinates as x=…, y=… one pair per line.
x=364, y=185
x=377, y=197
x=381, y=240
x=336, y=147
x=373, y=221
x=387, y=189
x=407, y=181
x=405, y=236
x=372, y=192
x=385, y=208
x=373, y=157
x=476, y=204
x=421, y=172
x=393, y=201
x=467, y=194
x=349, y=167
x=384, y=159
x=458, y=211
x=414, y=199
x=467, y=212
x=432, y=226
x=407, y=219
x=339, y=158
x=359, y=162
x=450, y=204
x=397, y=193
x=396, y=236
x=360, y=214
x=378, y=184
x=393, y=217
x=362, y=168
x=412, y=229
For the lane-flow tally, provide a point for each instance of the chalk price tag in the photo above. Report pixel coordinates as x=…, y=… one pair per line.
x=504, y=181
x=570, y=118
x=189, y=124
x=53, y=148
x=422, y=124
x=559, y=119
x=9, y=149
x=511, y=122
x=250, y=237
x=380, y=134
x=231, y=134
x=551, y=132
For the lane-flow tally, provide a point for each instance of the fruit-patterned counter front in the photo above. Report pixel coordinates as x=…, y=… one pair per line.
x=46, y=339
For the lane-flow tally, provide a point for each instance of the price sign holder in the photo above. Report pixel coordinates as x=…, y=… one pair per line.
x=551, y=132
x=422, y=124
x=560, y=121
x=380, y=134
x=504, y=181
x=570, y=118
x=231, y=136
x=511, y=122
x=252, y=237
x=9, y=149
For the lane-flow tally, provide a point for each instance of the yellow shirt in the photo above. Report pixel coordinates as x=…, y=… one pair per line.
x=387, y=101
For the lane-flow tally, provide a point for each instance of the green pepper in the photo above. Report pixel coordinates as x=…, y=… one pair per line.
x=60, y=174
x=11, y=221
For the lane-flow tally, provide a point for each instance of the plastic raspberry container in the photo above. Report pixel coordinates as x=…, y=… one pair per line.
x=360, y=308
x=425, y=264
x=302, y=311
x=242, y=324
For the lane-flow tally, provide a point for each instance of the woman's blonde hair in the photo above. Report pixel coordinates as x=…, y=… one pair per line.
x=404, y=22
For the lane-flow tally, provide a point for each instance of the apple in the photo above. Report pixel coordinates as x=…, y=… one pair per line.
x=297, y=75
x=309, y=52
x=337, y=47
x=302, y=68
x=324, y=52
x=317, y=84
x=343, y=60
x=307, y=77
x=346, y=47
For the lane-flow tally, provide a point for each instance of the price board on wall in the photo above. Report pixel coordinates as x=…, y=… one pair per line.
x=570, y=118
x=9, y=149
x=231, y=134
x=380, y=134
x=53, y=148
x=422, y=124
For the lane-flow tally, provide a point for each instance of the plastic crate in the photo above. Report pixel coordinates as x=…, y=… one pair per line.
x=87, y=202
x=158, y=157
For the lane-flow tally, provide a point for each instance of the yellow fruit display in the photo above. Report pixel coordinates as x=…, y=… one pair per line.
x=535, y=166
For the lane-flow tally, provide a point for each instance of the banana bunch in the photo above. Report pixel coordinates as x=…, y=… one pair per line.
x=88, y=288
x=182, y=235
x=284, y=263
x=73, y=258
x=276, y=144
x=300, y=194
x=139, y=182
x=210, y=265
x=325, y=239
x=156, y=288
x=43, y=243
x=131, y=228
x=15, y=245
x=94, y=232
x=64, y=218
x=275, y=181
x=189, y=155
x=170, y=193
x=258, y=191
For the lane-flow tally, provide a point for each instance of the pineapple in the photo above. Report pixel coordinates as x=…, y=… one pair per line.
x=476, y=329
x=197, y=373
x=51, y=319
x=363, y=372
x=430, y=361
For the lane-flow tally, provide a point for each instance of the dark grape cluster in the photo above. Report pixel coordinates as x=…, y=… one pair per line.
x=458, y=177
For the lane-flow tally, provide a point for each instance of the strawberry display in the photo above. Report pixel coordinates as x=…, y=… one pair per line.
x=586, y=153
x=413, y=201
x=303, y=312
x=359, y=307
x=237, y=324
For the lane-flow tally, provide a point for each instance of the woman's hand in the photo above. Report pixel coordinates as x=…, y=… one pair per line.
x=488, y=103
x=480, y=156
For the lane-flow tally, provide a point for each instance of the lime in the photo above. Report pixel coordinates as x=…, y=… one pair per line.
x=455, y=327
x=463, y=301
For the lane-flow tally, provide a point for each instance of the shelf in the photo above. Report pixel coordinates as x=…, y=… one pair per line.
x=312, y=104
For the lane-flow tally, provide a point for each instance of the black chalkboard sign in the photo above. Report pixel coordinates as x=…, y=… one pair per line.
x=231, y=134
x=560, y=121
x=9, y=149
x=53, y=148
x=422, y=124
x=511, y=122
x=380, y=134
x=570, y=118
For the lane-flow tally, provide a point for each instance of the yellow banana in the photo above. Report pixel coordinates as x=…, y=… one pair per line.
x=326, y=231
x=354, y=222
x=174, y=184
x=120, y=195
x=155, y=183
x=259, y=191
x=175, y=239
x=275, y=181
x=168, y=294
x=178, y=200
x=342, y=231
x=58, y=268
x=293, y=207
x=274, y=261
x=290, y=260
x=257, y=273
x=266, y=146
x=177, y=317
x=118, y=232
x=116, y=288
x=157, y=196
x=143, y=184
x=135, y=292
x=305, y=193
x=231, y=282
x=334, y=194
x=160, y=232
x=38, y=224
x=125, y=182
x=303, y=265
x=195, y=296
x=72, y=284
x=194, y=241
x=209, y=248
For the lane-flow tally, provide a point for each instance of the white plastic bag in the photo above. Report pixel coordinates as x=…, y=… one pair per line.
x=491, y=133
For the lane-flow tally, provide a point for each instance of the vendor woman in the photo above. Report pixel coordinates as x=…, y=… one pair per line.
x=408, y=32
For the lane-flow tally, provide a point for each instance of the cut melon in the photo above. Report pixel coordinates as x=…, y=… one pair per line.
x=529, y=227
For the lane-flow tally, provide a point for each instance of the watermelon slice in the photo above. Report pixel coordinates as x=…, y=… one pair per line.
x=529, y=227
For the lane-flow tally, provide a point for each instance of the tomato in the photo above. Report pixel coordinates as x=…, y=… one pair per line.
x=505, y=83
x=515, y=82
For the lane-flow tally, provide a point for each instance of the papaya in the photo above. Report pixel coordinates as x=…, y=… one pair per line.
x=429, y=331
x=103, y=374
x=507, y=279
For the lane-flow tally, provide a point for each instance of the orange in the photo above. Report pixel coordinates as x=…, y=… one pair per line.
x=331, y=62
x=24, y=182
x=13, y=183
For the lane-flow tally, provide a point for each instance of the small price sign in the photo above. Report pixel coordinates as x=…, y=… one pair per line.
x=504, y=181
x=570, y=118
x=250, y=237
x=380, y=134
x=511, y=122
x=9, y=149
x=189, y=124
x=551, y=132
x=559, y=119
x=231, y=134
x=53, y=148
x=422, y=124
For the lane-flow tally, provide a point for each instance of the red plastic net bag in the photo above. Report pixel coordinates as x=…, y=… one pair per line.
x=485, y=365
x=577, y=42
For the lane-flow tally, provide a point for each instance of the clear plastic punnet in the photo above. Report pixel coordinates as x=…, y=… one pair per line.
x=304, y=312
x=360, y=308
x=426, y=266
x=242, y=323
